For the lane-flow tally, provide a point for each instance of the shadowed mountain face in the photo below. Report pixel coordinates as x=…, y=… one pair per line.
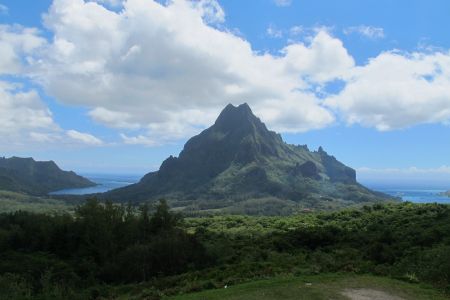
x=238, y=159
x=37, y=177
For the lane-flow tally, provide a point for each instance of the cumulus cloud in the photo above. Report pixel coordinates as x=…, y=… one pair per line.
x=84, y=138
x=113, y=118
x=22, y=110
x=25, y=119
x=370, y=32
x=162, y=72
x=210, y=10
x=324, y=59
x=164, y=69
x=17, y=44
x=397, y=90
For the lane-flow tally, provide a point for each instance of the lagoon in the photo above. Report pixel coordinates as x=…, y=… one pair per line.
x=413, y=193
x=105, y=182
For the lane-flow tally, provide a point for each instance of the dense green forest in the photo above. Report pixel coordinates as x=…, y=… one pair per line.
x=105, y=250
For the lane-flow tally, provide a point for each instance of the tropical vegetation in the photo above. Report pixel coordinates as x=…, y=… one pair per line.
x=112, y=251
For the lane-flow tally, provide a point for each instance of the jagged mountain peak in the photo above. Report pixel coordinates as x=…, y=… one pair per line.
x=236, y=136
x=238, y=158
x=239, y=111
x=237, y=118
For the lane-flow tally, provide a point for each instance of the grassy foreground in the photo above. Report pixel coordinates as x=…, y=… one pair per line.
x=316, y=288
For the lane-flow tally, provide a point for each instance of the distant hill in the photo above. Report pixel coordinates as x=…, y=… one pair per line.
x=240, y=165
x=37, y=177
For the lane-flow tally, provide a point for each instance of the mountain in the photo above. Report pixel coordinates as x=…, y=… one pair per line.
x=37, y=177
x=239, y=165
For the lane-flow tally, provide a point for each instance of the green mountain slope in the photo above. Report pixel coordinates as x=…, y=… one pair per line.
x=238, y=159
x=37, y=177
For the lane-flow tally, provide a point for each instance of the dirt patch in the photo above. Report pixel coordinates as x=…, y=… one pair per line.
x=368, y=294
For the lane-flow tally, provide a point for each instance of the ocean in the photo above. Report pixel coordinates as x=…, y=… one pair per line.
x=408, y=192
x=416, y=193
x=105, y=182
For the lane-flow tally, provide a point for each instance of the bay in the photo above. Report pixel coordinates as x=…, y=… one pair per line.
x=105, y=182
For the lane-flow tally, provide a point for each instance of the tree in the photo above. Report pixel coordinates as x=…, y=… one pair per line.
x=163, y=219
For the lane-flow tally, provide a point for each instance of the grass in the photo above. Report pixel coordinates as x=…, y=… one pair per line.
x=11, y=202
x=315, y=288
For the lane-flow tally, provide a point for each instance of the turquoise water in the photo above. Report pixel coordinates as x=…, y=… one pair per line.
x=412, y=192
x=105, y=182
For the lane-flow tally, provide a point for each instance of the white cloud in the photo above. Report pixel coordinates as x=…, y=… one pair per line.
x=211, y=11
x=439, y=176
x=43, y=137
x=164, y=69
x=113, y=118
x=274, y=32
x=296, y=30
x=167, y=70
x=3, y=9
x=25, y=119
x=17, y=44
x=324, y=59
x=283, y=2
x=139, y=140
x=396, y=90
x=22, y=110
x=366, y=31
x=84, y=138
x=113, y=3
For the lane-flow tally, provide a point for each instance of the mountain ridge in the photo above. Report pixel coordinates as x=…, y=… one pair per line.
x=37, y=177
x=238, y=159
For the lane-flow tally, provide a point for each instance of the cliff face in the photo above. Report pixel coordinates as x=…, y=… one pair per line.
x=37, y=177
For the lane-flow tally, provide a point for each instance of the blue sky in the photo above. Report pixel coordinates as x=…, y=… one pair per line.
x=116, y=87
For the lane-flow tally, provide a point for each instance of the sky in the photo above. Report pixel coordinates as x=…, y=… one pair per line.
x=111, y=86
